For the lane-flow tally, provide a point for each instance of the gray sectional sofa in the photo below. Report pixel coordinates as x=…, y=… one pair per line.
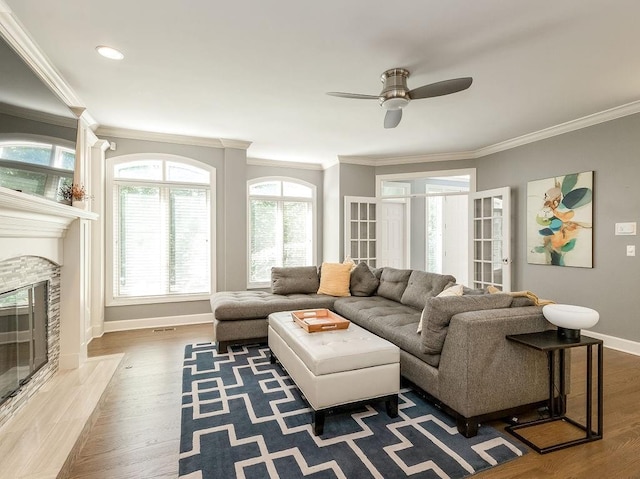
x=461, y=359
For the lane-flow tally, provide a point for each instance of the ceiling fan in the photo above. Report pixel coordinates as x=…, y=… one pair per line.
x=395, y=95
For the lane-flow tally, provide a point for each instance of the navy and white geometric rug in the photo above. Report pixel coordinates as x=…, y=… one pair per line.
x=243, y=417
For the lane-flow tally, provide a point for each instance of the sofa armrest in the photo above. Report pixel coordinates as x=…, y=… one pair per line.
x=482, y=372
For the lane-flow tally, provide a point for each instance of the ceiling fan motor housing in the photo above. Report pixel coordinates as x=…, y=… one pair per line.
x=394, y=94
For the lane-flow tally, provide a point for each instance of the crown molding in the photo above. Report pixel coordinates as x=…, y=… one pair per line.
x=404, y=160
x=171, y=138
x=17, y=37
x=284, y=164
x=566, y=127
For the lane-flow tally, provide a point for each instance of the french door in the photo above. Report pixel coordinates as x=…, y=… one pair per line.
x=490, y=245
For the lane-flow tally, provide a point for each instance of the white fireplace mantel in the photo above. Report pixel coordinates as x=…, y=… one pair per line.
x=27, y=215
x=30, y=225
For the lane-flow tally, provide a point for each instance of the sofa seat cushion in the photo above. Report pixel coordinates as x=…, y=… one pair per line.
x=393, y=321
x=230, y=305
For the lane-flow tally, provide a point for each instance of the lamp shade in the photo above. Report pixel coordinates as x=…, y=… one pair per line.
x=570, y=319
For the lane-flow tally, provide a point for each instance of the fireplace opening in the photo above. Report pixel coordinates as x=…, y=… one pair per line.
x=23, y=336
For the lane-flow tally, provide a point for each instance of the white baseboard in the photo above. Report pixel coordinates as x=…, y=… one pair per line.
x=619, y=344
x=162, y=322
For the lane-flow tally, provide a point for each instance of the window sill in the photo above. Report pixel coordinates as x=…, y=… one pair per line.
x=156, y=299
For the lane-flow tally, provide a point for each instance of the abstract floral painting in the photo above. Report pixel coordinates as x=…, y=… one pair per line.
x=560, y=220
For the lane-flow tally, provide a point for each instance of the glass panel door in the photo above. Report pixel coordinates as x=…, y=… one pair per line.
x=360, y=229
x=490, y=240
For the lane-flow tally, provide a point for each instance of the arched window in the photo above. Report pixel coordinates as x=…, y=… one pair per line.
x=281, y=226
x=161, y=223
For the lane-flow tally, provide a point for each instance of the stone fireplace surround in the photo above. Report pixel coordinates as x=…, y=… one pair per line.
x=24, y=271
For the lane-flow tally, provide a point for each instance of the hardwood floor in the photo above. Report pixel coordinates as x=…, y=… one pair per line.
x=137, y=432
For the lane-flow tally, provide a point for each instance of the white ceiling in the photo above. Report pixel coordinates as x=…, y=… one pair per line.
x=259, y=70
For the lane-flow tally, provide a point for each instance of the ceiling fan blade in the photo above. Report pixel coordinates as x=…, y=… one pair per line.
x=440, y=88
x=392, y=118
x=357, y=96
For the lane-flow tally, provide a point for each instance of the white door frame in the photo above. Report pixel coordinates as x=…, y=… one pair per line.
x=399, y=177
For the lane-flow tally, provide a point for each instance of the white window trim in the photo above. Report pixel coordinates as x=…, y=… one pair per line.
x=110, y=300
x=314, y=222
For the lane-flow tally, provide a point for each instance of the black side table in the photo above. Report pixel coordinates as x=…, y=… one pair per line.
x=549, y=342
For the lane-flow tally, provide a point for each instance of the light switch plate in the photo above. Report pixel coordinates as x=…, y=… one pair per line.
x=631, y=250
x=626, y=229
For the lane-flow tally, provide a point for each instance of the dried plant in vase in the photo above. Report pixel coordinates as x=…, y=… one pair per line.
x=73, y=192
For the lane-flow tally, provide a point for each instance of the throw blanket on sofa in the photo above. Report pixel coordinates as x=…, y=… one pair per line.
x=523, y=294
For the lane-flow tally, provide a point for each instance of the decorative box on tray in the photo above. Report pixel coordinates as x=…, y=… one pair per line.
x=315, y=320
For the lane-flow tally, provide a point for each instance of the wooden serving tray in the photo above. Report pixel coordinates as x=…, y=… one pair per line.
x=316, y=320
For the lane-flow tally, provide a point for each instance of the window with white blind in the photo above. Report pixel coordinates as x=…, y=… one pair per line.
x=281, y=226
x=161, y=230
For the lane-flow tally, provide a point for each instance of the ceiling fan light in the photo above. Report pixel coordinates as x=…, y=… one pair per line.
x=395, y=103
x=109, y=52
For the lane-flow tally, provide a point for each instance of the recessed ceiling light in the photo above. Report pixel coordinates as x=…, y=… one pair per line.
x=109, y=52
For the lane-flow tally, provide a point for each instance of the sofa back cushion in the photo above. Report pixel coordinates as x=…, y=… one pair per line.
x=393, y=282
x=439, y=311
x=363, y=281
x=422, y=286
x=294, y=279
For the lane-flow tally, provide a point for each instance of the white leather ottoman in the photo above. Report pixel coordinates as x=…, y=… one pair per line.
x=338, y=367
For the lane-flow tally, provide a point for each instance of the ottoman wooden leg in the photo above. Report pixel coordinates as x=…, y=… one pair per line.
x=392, y=406
x=272, y=357
x=318, y=422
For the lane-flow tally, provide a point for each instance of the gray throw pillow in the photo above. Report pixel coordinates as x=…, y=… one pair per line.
x=393, y=282
x=295, y=279
x=363, y=282
x=377, y=272
x=439, y=311
x=422, y=286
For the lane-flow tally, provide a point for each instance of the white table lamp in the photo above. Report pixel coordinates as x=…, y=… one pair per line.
x=570, y=319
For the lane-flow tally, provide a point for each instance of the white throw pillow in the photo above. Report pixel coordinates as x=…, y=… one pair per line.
x=455, y=290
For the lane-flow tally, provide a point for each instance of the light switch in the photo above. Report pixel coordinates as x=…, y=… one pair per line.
x=626, y=229
x=631, y=250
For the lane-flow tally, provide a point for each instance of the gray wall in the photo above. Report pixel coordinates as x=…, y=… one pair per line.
x=611, y=150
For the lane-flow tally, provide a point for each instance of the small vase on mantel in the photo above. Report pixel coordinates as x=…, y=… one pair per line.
x=81, y=204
